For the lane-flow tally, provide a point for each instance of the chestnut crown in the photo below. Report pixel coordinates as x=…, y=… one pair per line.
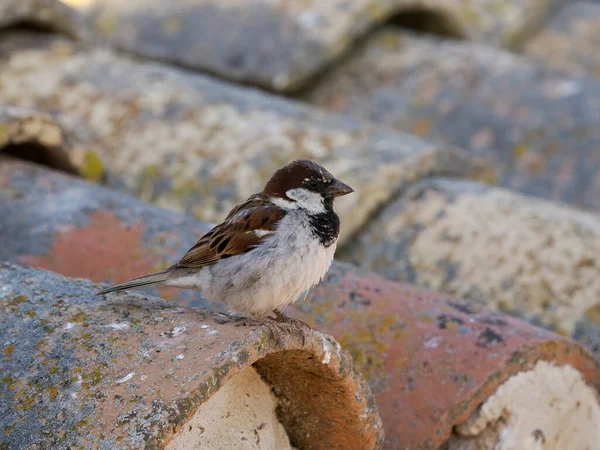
x=305, y=174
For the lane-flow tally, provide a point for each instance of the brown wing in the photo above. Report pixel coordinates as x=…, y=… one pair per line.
x=236, y=234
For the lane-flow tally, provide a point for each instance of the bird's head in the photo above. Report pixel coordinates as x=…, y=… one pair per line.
x=306, y=185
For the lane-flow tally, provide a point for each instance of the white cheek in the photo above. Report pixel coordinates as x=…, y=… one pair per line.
x=284, y=204
x=307, y=200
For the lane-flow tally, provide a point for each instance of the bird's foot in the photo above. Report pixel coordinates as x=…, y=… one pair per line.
x=275, y=329
x=296, y=324
x=281, y=317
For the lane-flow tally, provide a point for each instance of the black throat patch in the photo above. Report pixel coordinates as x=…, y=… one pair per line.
x=326, y=225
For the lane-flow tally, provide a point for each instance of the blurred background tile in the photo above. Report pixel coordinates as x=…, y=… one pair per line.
x=570, y=40
x=524, y=256
x=194, y=144
x=281, y=44
x=541, y=129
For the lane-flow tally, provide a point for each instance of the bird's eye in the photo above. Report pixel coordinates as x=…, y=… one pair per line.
x=313, y=183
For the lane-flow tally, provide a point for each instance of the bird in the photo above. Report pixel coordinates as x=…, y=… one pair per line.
x=269, y=249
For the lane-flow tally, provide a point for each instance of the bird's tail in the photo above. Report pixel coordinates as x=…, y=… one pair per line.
x=153, y=278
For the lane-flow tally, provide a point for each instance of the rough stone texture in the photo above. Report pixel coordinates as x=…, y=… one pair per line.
x=130, y=371
x=587, y=330
x=431, y=360
x=45, y=14
x=281, y=44
x=542, y=129
x=570, y=41
x=194, y=144
x=522, y=255
x=35, y=136
x=47, y=219
x=511, y=418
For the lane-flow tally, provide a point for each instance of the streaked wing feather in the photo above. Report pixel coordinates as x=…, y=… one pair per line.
x=235, y=235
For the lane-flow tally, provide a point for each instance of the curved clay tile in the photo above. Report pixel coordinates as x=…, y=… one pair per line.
x=133, y=371
x=444, y=372
x=35, y=136
x=44, y=14
x=540, y=128
x=199, y=145
x=569, y=41
x=530, y=257
x=283, y=44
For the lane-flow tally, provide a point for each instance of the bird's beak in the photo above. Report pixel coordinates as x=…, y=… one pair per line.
x=337, y=189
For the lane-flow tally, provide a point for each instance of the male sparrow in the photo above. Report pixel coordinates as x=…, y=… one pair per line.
x=270, y=248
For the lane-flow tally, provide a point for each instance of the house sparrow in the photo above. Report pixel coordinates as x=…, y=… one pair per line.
x=270, y=248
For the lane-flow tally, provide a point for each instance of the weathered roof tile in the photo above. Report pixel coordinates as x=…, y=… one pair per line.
x=570, y=40
x=449, y=371
x=133, y=371
x=526, y=256
x=46, y=14
x=282, y=44
x=542, y=129
x=35, y=136
x=197, y=145
x=431, y=360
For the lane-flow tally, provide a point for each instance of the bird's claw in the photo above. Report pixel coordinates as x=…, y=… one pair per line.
x=296, y=324
x=281, y=317
x=275, y=325
x=275, y=329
